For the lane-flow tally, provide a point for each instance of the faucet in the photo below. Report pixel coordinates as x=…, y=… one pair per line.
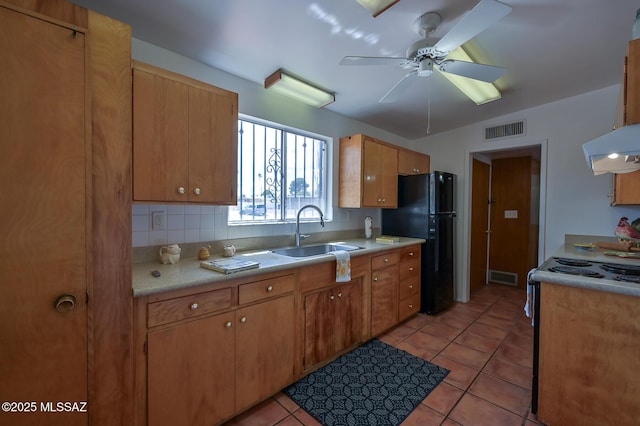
x=302, y=237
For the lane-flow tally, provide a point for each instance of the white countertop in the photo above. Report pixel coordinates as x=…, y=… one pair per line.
x=570, y=251
x=188, y=273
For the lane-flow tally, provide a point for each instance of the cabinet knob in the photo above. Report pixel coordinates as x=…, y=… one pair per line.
x=411, y=254
x=269, y=289
x=384, y=200
x=194, y=306
x=386, y=260
x=410, y=306
x=411, y=269
x=410, y=285
x=65, y=303
x=196, y=191
x=243, y=320
x=332, y=297
x=375, y=278
x=379, y=200
x=339, y=294
x=181, y=190
x=228, y=324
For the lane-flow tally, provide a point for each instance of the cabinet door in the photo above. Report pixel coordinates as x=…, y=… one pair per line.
x=213, y=147
x=380, y=175
x=190, y=370
x=318, y=324
x=43, y=352
x=412, y=163
x=384, y=299
x=264, y=350
x=160, y=136
x=348, y=315
x=626, y=188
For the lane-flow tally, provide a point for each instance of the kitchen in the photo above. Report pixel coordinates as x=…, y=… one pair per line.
x=575, y=201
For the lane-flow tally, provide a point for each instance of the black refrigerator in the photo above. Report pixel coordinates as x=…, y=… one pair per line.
x=426, y=210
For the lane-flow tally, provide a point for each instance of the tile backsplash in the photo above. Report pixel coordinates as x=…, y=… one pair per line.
x=195, y=223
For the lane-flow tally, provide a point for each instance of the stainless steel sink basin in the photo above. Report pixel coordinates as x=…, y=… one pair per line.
x=313, y=250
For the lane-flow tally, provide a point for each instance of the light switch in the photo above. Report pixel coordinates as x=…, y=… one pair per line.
x=511, y=214
x=158, y=221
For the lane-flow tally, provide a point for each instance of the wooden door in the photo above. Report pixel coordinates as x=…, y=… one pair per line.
x=160, y=137
x=190, y=372
x=384, y=299
x=43, y=221
x=479, y=224
x=264, y=350
x=213, y=147
x=347, y=327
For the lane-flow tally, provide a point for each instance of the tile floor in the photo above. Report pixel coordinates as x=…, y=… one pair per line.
x=486, y=343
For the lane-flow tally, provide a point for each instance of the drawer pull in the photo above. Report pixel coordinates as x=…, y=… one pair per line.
x=194, y=306
x=243, y=320
x=228, y=324
x=269, y=289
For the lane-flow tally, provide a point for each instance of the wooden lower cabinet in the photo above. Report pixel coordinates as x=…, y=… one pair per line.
x=333, y=321
x=588, y=357
x=202, y=370
x=384, y=292
x=409, y=285
x=191, y=372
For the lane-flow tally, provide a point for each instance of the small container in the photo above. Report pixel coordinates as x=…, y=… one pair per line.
x=635, y=34
x=368, y=225
x=203, y=254
x=228, y=250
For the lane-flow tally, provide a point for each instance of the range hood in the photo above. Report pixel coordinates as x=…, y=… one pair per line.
x=615, y=152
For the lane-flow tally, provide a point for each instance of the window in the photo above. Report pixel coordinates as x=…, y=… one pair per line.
x=279, y=170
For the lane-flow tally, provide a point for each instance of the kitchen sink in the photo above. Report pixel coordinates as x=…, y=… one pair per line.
x=314, y=250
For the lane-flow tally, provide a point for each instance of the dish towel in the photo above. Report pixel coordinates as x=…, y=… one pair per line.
x=529, y=304
x=343, y=266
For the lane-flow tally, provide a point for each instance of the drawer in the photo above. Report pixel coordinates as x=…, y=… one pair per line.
x=258, y=290
x=408, y=253
x=167, y=311
x=410, y=269
x=408, y=307
x=383, y=260
x=408, y=288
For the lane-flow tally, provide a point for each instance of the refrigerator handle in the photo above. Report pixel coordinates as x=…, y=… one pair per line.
x=450, y=214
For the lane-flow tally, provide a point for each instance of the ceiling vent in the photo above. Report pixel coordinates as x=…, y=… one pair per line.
x=504, y=131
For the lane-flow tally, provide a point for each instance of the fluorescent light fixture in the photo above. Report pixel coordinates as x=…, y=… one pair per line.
x=297, y=89
x=376, y=7
x=478, y=91
x=614, y=152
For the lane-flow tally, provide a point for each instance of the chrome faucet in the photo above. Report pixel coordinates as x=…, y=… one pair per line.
x=302, y=237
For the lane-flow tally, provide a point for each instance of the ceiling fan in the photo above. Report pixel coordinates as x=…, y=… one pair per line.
x=428, y=52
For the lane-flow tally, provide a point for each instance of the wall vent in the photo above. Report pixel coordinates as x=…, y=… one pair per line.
x=504, y=130
x=502, y=277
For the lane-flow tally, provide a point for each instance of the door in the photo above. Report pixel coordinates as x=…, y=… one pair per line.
x=479, y=224
x=43, y=222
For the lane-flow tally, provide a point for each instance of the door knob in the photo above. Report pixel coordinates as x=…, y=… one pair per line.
x=65, y=303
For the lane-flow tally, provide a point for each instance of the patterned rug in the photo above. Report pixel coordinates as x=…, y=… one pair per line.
x=375, y=384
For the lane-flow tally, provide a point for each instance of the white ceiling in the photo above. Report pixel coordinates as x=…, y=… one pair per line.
x=552, y=49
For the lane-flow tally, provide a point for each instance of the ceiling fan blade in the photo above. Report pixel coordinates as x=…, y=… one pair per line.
x=488, y=73
x=482, y=16
x=399, y=88
x=372, y=60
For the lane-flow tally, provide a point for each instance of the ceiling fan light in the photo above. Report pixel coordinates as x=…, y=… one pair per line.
x=297, y=89
x=478, y=91
x=376, y=7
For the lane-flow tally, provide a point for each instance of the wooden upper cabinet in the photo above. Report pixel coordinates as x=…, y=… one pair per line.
x=184, y=139
x=368, y=173
x=626, y=186
x=413, y=163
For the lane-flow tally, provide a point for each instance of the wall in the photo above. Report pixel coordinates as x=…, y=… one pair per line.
x=194, y=223
x=573, y=200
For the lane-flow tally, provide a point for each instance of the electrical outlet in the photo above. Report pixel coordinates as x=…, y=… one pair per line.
x=158, y=221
